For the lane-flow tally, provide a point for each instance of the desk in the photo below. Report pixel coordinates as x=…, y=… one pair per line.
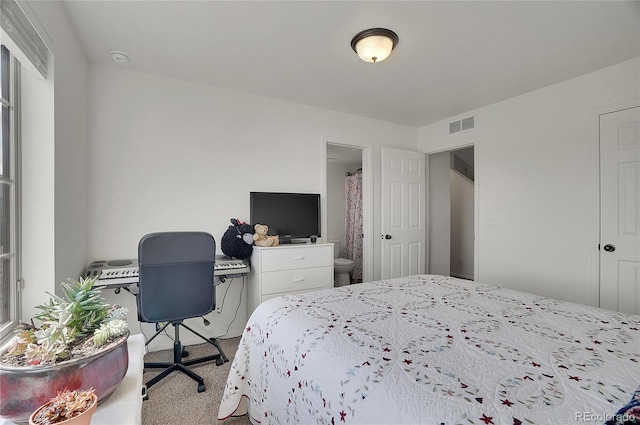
x=124, y=405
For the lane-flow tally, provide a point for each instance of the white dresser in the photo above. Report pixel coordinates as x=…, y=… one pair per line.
x=288, y=269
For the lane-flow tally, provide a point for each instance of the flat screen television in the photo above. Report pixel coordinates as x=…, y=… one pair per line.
x=288, y=215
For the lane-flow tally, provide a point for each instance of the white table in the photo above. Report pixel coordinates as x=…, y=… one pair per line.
x=124, y=405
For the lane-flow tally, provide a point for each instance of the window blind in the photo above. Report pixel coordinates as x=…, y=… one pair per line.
x=17, y=26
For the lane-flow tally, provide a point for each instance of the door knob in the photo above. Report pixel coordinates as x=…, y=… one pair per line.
x=609, y=247
x=387, y=237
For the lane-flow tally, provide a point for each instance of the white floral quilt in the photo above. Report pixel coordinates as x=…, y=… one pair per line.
x=433, y=350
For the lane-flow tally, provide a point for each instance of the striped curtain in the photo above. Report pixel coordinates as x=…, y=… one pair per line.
x=353, y=223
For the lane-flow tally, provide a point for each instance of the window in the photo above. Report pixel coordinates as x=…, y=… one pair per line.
x=9, y=229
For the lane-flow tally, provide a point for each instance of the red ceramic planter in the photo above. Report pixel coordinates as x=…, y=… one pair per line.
x=24, y=389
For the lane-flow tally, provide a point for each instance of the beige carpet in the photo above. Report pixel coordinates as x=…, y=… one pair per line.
x=175, y=399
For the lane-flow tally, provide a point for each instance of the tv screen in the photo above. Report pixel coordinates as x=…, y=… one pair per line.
x=290, y=215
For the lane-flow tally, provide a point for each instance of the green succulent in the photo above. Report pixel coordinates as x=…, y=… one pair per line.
x=81, y=314
x=109, y=330
x=21, y=341
x=83, y=310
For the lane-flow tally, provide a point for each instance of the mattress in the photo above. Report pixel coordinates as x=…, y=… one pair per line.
x=435, y=350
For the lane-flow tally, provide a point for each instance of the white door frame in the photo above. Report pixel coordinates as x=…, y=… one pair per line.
x=595, y=189
x=367, y=197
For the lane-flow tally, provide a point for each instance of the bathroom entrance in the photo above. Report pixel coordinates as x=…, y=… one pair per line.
x=346, y=214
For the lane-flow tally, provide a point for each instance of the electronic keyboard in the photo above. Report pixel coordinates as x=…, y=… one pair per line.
x=119, y=273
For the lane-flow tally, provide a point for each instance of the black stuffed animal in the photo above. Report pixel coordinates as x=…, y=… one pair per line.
x=237, y=241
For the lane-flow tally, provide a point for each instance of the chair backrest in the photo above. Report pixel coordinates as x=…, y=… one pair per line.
x=176, y=276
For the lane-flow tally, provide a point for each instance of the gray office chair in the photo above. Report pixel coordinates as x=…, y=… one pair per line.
x=176, y=283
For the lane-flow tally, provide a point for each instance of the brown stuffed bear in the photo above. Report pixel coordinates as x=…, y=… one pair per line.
x=260, y=237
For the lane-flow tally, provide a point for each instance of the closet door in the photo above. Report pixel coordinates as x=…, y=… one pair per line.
x=403, y=213
x=620, y=211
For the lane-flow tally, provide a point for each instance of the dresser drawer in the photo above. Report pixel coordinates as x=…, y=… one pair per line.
x=296, y=280
x=269, y=296
x=286, y=258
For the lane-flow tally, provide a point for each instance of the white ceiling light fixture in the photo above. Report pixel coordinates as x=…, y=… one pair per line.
x=118, y=56
x=375, y=44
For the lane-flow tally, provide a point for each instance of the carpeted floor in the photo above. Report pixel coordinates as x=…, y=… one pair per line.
x=175, y=400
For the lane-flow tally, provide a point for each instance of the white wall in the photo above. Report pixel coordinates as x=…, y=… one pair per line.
x=167, y=154
x=439, y=217
x=38, y=146
x=535, y=175
x=172, y=155
x=462, y=220
x=335, y=202
x=71, y=132
x=54, y=163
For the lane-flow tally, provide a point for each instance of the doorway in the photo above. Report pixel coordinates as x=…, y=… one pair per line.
x=346, y=161
x=451, y=209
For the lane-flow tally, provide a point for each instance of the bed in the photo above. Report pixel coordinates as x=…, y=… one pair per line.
x=434, y=350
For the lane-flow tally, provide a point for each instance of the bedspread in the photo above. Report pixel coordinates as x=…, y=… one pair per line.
x=434, y=350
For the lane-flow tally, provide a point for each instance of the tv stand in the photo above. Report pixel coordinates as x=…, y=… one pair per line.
x=288, y=269
x=284, y=240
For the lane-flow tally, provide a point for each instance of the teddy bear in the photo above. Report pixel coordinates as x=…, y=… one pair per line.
x=260, y=237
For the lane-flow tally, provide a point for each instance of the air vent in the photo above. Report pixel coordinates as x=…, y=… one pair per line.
x=462, y=125
x=468, y=123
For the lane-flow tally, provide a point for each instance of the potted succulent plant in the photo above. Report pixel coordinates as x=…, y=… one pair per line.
x=67, y=408
x=81, y=342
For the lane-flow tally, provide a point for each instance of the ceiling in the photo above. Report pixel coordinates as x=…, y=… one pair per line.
x=343, y=155
x=452, y=57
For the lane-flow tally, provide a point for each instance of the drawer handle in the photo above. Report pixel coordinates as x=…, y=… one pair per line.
x=301, y=257
x=299, y=279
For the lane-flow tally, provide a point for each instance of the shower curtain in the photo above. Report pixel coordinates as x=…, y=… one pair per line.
x=353, y=223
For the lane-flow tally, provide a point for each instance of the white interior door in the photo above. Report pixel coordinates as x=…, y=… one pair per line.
x=403, y=212
x=620, y=210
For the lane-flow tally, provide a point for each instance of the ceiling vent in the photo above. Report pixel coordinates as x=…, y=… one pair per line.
x=462, y=125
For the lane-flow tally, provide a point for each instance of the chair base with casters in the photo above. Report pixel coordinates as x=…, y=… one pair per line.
x=178, y=353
